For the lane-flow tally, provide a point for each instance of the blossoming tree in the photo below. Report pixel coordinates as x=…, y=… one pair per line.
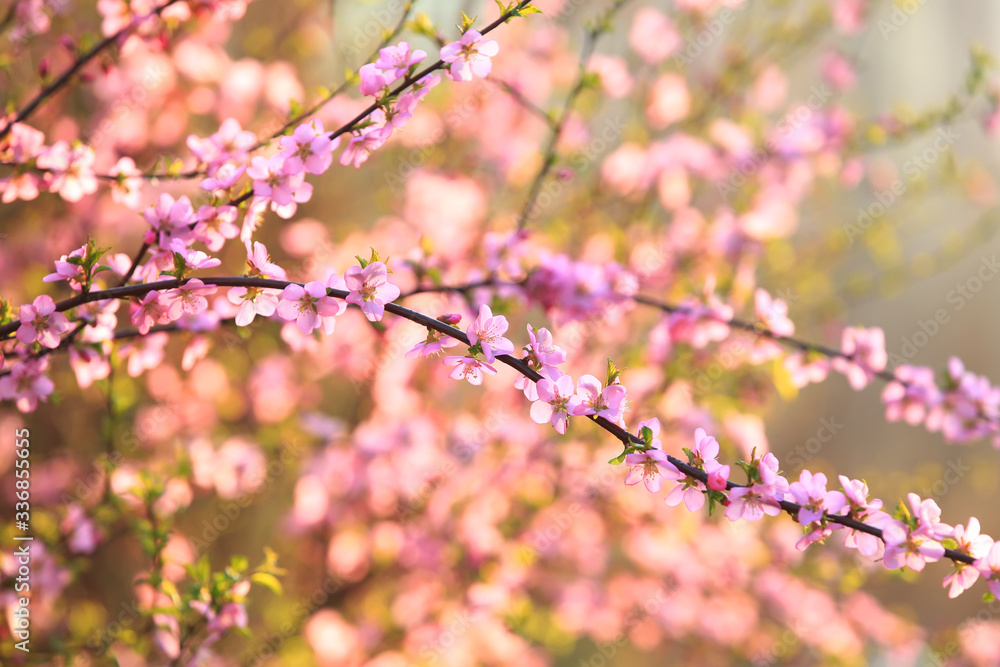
x=239, y=315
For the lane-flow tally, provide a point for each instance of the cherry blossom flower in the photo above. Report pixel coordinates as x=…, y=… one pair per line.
x=225, y=176
x=126, y=188
x=370, y=289
x=470, y=56
x=543, y=356
x=66, y=270
x=773, y=314
x=487, y=331
x=170, y=220
x=433, y=344
x=189, y=298
x=398, y=59
x=88, y=364
x=260, y=264
x=230, y=144
x=469, y=368
x=865, y=511
x=609, y=402
x=689, y=489
x=916, y=541
x=40, y=322
x=192, y=259
x=646, y=464
x=308, y=149
x=310, y=307
x=556, y=402
x=865, y=355
x=911, y=395
x=72, y=173
x=362, y=145
x=988, y=566
x=153, y=309
x=810, y=492
x=271, y=183
x=27, y=384
x=373, y=81
x=215, y=225
x=969, y=542
x=252, y=301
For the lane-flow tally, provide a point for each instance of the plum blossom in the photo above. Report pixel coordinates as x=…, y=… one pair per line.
x=40, y=322
x=27, y=384
x=309, y=307
x=308, y=149
x=154, y=308
x=470, y=56
x=225, y=177
x=67, y=270
x=230, y=144
x=810, y=492
x=169, y=220
x=189, y=298
x=689, y=489
x=968, y=541
x=126, y=188
x=609, y=402
x=556, y=402
x=646, y=464
x=865, y=511
x=469, y=368
x=864, y=355
x=773, y=314
x=370, y=289
x=373, y=81
x=255, y=301
x=273, y=183
x=398, y=59
x=911, y=395
x=215, y=225
x=916, y=541
x=434, y=343
x=989, y=567
x=72, y=173
x=362, y=145
x=487, y=331
x=761, y=497
x=542, y=355
x=191, y=259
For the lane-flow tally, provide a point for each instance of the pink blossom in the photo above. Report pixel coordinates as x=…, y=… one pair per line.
x=225, y=177
x=398, y=59
x=752, y=502
x=309, y=149
x=810, y=492
x=805, y=370
x=773, y=314
x=88, y=364
x=487, y=331
x=370, y=289
x=969, y=542
x=192, y=259
x=989, y=567
x=310, y=307
x=259, y=262
x=144, y=353
x=556, y=402
x=66, y=270
x=273, y=184
x=864, y=355
x=470, y=56
x=609, y=402
x=718, y=477
x=230, y=144
x=543, y=356
x=653, y=36
x=860, y=509
x=27, y=384
x=127, y=187
x=189, y=298
x=646, y=464
x=215, y=225
x=153, y=309
x=905, y=547
x=252, y=301
x=362, y=145
x=469, y=368
x=911, y=394
x=373, y=82
x=170, y=220
x=41, y=322
x=434, y=343
x=72, y=173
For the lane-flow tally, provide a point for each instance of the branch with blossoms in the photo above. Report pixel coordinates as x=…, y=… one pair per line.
x=911, y=537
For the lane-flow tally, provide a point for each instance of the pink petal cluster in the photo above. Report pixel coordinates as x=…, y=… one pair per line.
x=370, y=289
x=470, y=56
x=40, y=322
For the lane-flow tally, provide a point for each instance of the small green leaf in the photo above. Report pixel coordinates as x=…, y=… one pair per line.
x=618, y=460
x=614, y=373
x=267, y=580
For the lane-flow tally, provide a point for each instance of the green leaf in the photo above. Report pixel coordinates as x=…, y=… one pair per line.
x=613, y=372
x=618, y=460
x=267, y=580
